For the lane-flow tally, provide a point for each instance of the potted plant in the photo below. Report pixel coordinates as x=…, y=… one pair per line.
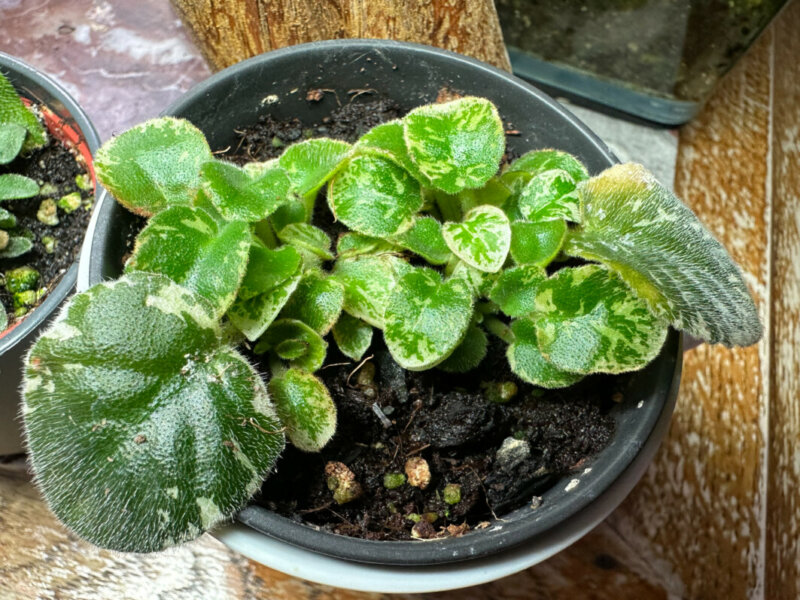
x=147, y=424
x=47, y=191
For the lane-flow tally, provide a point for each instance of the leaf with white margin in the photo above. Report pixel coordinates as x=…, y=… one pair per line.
x=480, y=282
x=537, y=243
x=387, y=139
x=305, y=236
x=373, y=196
x=144, y=428
x=191, y=248
x=14, y=111
x=425, y=239
x=368, y=280
x=589, y=321
x=550, y=196
x=538, y=161
x=527, y=362
x=353, y=336
x=305, y=407
x=482, y=239
x=660, y=248
x=12, y=137
x=253, y=315
x=515, y=289
x=455, y=145
x=267, y=268
x=468, y=354
x=153, y=165
x=311, y=163
x=352, y=244
x=317, y=301
x=241, y=197
x=284, y=330
x=17, y=187
x=426, y=319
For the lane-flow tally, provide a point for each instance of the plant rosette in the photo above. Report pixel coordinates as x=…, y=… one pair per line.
x=578, y=265
x=37, y=115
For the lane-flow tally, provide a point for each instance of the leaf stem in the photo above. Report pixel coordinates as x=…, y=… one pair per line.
x=496, y=327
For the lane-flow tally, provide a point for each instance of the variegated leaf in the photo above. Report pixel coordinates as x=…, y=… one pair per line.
x=195, y=251
x=480, y=282
x=538, y=161
x=144, y=428
x=373, y=196
x=642, y=231
x=352, y=244
x=515, y=289
x=468, y=354
x=387, y=140
x=153, y=165
x=550, y=196
x=368, y=281
x=284, y=330
x=537, y=243
x=242, y=197
x=426, y=319
x=306, y=237
x=425, y=239
x=353, y=336
x=482, y=239
x=305, y=407
x=311, y=163
x=527, y=362
x=317, y=301
x=254, y=315
x=455, y=145
x=589, y=321
x=267, y=268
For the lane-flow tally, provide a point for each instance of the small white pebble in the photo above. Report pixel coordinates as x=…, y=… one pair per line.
x=271, y=99
x=641, y=404
x=587, y=470
x=572, y=485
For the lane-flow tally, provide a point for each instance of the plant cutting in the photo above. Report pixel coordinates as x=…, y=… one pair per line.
x=46, y=195
x=169, y=429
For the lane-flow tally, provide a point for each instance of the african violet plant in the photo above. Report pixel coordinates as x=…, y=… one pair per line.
x=147, y=425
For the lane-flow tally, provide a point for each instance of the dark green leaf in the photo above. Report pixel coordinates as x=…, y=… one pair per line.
x=240, y=196
x=515, y=289
x=17, y=187
x=537, y=243
x=317, y=301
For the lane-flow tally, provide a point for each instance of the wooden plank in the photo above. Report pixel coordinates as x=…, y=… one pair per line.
x=227, y=31
x=783, y=515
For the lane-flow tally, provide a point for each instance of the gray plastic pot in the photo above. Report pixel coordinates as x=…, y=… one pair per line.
x=15, y=341
x=276, y=83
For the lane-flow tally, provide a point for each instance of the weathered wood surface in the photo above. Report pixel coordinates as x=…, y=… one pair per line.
x=229, y=30
x=716, y=515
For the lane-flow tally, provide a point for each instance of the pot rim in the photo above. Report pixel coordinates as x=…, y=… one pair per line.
x=83, y=126
x=416, y=553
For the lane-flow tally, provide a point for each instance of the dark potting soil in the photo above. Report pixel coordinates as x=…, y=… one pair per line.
x=500, y=456
x=54, y=164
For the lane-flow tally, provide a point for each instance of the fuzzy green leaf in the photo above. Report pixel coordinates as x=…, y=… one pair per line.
x=306, y=409
x=373, y=196
x=352, y=244
x=284, y=330
x=311, y=163
x=515, y=289
x=7, y=219
x=17, y=246
x=425, y=239
x=11, y=138
x=308, y=238
x=253, y=315
x=368, y=281
x=268, y=268
x=317, y=301
x=658, y=246
x=480, y=282
x=468, y=354
x=144, y=428
x=288, y=214
x=426, y=319
x=538, y=161
x=12, y=110
x=388, y=140
x=482, y=239
x=17, y=187
x=153, y=165
x=537, y=243
x=193, y=250
x=588, y=321
x=240, y=196
x=456, y=145
x=352, y=336
x=550, y=196
x=527, y=362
